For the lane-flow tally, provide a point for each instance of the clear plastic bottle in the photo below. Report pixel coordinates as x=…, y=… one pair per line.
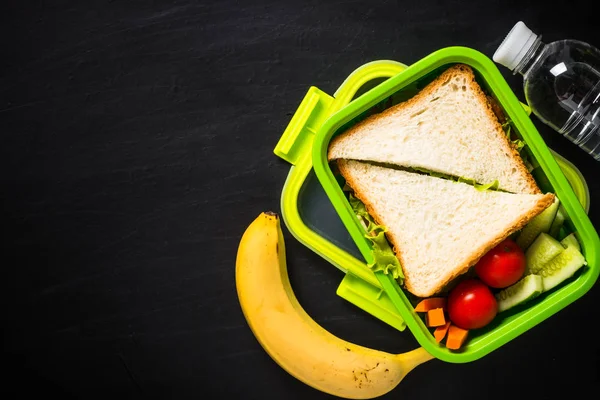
x=561, y=83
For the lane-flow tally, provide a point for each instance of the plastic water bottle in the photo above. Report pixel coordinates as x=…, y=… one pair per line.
x=561, y=83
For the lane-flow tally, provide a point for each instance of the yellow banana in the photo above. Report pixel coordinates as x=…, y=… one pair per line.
x=293, y=339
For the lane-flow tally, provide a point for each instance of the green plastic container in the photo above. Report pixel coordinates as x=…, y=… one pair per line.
x=310, y=217
x=404, y=85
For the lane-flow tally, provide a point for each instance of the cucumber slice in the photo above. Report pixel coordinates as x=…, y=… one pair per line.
x=541, y=223
x=558, y=222
x=571, y=240
x=524, y=290
x=542, y=250
x=561, y=267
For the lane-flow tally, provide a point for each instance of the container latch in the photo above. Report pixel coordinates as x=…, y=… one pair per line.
x=298, y=137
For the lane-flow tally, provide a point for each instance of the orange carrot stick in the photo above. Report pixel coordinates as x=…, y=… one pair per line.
x=431, y=303
x=456, y=337
x=435, y=317
x=440, y=332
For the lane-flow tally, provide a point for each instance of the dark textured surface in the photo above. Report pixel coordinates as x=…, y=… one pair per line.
x=137, y=145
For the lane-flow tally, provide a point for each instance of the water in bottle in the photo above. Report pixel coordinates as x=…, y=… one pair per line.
x=561, y=83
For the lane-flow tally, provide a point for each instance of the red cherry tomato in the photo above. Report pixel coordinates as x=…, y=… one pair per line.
x=471, y=304
x=502, y=266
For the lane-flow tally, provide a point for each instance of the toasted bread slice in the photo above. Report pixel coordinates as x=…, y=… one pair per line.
x=438, y=228
x=448, y=127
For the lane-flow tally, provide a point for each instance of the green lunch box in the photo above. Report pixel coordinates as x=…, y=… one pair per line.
x=317, y=213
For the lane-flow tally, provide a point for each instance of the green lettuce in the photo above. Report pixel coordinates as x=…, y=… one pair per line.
x=520, y=145
x=529, y=160
x=482, y=187
x=479, y=186
x=517, y=143
x=384, y=258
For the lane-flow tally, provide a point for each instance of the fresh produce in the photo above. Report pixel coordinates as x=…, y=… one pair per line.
x=430, y=303
x=502, y=266
x=295, y=341
x=440, y=332
x=435, y=317
x=542, y=250
x=552, y=262
x=526, y=289
x=456, y=337
x=541, y=223
x=570, y=240
x=384, y=258
x=561, y=267
x=558, y=222
x=471, y=304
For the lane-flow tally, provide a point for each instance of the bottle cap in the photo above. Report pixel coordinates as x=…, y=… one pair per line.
x=514, y=47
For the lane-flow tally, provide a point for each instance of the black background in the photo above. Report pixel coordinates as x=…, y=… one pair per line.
x=137, y=144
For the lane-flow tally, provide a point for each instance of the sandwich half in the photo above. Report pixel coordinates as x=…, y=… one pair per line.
x=438, y=228
x=449, y=127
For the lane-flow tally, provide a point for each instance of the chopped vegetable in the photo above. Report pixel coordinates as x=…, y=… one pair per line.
x=435, y=317
x=526, y=289
x=540, y=223
x=561, y=267
x=431, y=303
x=542, y=250
x=456, y=337
x=440, y=332
x=571, y=240
x=558, y=222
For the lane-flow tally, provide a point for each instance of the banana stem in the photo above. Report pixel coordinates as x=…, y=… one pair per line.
x=414, y=358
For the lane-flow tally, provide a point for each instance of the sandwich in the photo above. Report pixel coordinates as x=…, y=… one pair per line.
x=438, y=228
x=439, y=179
x=450, y=127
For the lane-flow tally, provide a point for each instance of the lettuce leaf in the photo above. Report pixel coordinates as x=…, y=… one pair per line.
x=479, y=186
x=384, y=258
x=482, y=187
x=521, y=147
x=518, y=144
x=529, y=160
